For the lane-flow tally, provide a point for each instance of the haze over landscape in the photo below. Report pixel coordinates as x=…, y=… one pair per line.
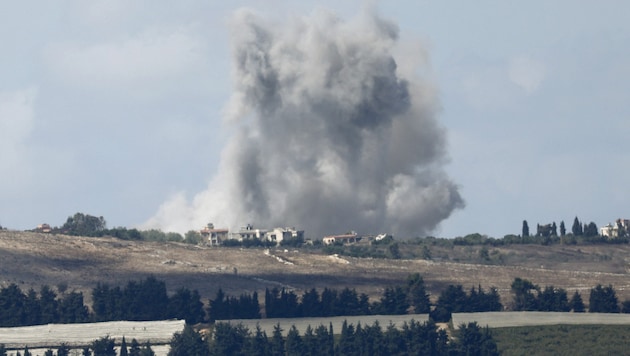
x=155, y=114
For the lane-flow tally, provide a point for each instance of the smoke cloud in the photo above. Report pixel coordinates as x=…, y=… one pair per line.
x=332, y=134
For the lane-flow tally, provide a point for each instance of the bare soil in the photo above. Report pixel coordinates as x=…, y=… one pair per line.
x=32, y=259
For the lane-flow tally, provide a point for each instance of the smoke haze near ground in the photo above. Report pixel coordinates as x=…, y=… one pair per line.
x=331, y=133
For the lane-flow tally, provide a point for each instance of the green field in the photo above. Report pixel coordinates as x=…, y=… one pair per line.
x=563, y=340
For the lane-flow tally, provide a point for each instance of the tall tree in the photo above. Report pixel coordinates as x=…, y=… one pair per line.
x=228, y=339
x=12, y=302
x=48, y=305
x=525, y=229
x=134, y=348
x=524, y=297
x=123, y=348
x=147, y=350
x=186, y=305
x=576, y=303
x=310, y=305
x=63, y=350
x=417, y=294
x=72, y=309
x=603, y=300
x=472, y=340
x=258, y=345
x=309, y=341
x=294, y=344
x=345, y=345
x=577, y=227
x=563, y=229
x=553, y=299
x=32, y=308
x=188, y=342
x=84, y=225
x=393, y=302
x=104, y=347
x=590, y=230
x=277, y=341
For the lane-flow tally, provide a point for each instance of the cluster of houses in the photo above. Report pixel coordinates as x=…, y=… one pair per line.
x=620, y=228
x=215, y=236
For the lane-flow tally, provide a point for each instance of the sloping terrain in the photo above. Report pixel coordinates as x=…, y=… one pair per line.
x=32, y=259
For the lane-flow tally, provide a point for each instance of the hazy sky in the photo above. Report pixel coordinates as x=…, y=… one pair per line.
x=112, y=108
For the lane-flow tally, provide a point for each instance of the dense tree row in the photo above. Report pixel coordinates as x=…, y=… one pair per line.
x=412, y=339
x=604, y=300
x=148, y=300
x=101, y=347
x=455, y=300
x=530, y=297
x=223, y=307
x=145, y=300
x=395, y=300
x=19, y=309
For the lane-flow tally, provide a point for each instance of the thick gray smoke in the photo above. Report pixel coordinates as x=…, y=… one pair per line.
x=332, y=134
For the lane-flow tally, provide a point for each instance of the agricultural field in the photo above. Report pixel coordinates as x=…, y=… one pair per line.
x=41, y=337
x=519, y=319
x=563, y=340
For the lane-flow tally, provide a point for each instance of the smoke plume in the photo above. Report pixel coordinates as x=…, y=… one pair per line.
x=331, y=134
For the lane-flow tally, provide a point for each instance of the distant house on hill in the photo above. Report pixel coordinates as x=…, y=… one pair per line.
x=212, y=236
x=248, y=232
x=280, y=234
x=620, y=228
x=45, y=228
x=343, y=239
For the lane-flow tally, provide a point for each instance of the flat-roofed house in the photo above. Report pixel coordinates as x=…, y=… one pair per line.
x=213, y=236
x=344, y=239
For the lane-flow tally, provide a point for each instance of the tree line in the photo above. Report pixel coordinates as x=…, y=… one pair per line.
x=139, y=301
x=546, y=234
x=531, y=297
x=413, y=338
x=104, y=346
x=148, y=300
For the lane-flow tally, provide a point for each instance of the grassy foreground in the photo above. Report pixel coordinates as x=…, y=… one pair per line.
x=563, y=340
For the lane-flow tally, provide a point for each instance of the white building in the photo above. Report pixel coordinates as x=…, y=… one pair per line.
x=248, y=232
x=620, y=228
x=212, y=236
x=280, y=234
x=352, y=237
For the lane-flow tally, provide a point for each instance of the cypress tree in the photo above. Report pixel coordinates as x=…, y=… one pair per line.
x=576, y=303
x=277, y=341
x=188, y=342
x=294, y=344
x=134, y=349
x=123, y=348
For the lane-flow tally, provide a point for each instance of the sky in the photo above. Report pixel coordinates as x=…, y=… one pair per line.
x=120, y=108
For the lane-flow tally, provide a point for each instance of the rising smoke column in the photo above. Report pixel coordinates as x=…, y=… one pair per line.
x=331, y=135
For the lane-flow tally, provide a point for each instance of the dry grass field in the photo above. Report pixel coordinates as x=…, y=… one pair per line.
x=33, y=259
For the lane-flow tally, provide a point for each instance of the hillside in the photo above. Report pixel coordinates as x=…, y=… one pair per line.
x=33, y=259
